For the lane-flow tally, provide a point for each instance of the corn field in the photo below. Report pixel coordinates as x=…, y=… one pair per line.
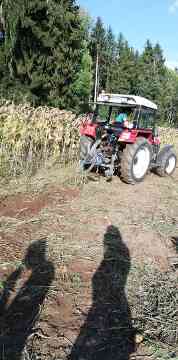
x=30, y=138
x=34, y=137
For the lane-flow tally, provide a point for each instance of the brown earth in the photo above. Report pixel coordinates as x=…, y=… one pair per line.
x=74, y=223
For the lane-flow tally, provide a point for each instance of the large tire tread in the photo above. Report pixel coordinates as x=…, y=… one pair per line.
x=127, y=159
x=161, y=169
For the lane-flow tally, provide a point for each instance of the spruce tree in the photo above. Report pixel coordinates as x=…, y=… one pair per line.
x=169, y=99
x=43, y=48
x=98, y=45
x=111, y=57
x=66, y=32
x=123, y=75
x=48, y=56
x=82, y=87
x=152, y=76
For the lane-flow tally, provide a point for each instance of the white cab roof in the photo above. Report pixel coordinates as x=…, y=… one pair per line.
x=120, y=99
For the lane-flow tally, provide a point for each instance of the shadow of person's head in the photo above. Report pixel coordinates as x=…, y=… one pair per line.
x=36, y=254
x=41, y=268
x=117, y=252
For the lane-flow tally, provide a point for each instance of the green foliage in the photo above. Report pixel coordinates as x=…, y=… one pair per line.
x=124, y=70
x=83, y=85
x=43, y=49
x=169, y=98
x=110, y=59
x=152, y=72
x=49, y=57
x=157, y=83
x=124, y=78
x=98, y=44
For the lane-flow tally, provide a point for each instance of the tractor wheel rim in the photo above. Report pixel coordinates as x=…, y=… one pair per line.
x=171, y=163
x=141, y=162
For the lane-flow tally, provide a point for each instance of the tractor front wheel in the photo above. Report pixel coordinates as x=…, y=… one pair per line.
x=135, y=161
x=167, y=163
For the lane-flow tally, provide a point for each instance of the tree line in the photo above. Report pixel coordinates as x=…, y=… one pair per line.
x=48, y=54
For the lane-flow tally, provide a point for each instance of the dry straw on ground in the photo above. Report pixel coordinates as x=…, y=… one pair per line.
x=154, y=303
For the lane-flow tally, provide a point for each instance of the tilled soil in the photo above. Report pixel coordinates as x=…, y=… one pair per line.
x=71, y=289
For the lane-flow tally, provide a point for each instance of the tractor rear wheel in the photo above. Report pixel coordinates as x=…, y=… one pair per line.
x=135, y=161
x=167, y=163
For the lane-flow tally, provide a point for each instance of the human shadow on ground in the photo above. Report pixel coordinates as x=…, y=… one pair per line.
x=175, y=243
x=107, y=333
x=20, y=303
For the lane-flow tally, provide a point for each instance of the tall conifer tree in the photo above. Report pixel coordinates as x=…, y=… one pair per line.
x=43, y=48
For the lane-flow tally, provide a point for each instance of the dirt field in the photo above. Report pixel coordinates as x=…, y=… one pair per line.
x=71, y=224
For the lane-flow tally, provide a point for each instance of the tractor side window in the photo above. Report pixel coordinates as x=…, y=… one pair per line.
x=146, y=120
x=151, y=120
x=101, y=113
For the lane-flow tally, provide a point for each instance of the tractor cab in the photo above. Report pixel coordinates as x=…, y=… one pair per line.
x=128, y=116
x=140, y=112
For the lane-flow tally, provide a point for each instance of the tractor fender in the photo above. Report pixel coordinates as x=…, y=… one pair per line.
x=163, y=151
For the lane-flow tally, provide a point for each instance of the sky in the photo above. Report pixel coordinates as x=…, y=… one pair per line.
x=140, y=20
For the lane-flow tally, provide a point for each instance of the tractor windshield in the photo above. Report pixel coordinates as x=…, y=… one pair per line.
x=105, y=113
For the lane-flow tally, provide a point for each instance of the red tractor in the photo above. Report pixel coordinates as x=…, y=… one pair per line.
x=121, y=137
